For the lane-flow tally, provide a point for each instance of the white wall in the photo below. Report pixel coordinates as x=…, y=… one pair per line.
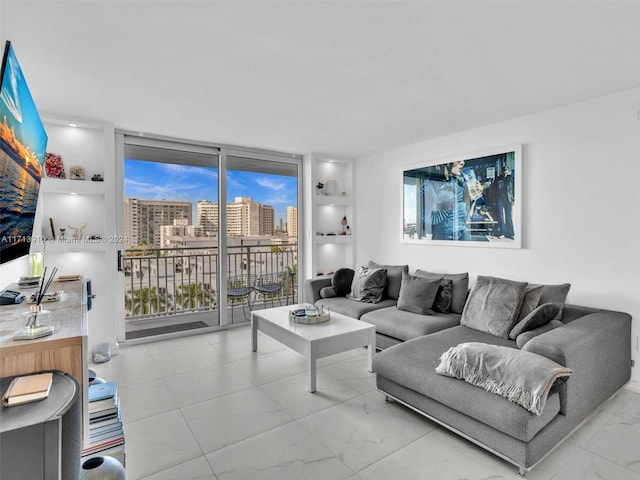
x=581, y=204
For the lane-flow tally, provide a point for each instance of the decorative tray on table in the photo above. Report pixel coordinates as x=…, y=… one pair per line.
x=310, y=315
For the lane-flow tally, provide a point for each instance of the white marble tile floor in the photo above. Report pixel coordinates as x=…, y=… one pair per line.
x=206, y=407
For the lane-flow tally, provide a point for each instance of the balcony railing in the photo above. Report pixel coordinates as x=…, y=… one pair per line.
x=165, y=282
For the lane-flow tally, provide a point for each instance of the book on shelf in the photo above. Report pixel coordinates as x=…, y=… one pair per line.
x=102, y=405
x=27, y=388
x=116, y=442
x=104, y=414
x=102, y=391
x=106, y=437
x=105, y=420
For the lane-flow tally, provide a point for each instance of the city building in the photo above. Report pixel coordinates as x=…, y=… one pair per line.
x=292, y=221
x=208, y=216
x=248, y=218
x=143, y=219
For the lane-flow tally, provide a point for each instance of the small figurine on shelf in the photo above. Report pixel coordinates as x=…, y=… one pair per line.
x=76, y=173
x=319, y=188
x=344, y=225
x=62, y=230
x=78, y=232
x=97, y=178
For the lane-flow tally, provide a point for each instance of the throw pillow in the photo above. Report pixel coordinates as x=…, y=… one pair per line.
x=460, y=287
x=493, y=305
x=442, y=303
x=520, y=376
x=530, y=301
x=394, y=278
x=341, y=281
x=328, y=292
x=555, y=293
x=542, y=315
x=368, y=284
x=417, y=294
x=524, y=337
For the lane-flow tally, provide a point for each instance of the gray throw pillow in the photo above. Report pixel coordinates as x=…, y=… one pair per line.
x=542, y=315
x=341, y=281
x=442, y=303
x=394, y=278
x=417, y=294
x=368, y=284
x=555, y=293
x=530, y=301
x=493, y=305
x=460, y=286
x=328, y=292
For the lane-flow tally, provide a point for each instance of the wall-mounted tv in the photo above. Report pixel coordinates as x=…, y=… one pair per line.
x=23, y=143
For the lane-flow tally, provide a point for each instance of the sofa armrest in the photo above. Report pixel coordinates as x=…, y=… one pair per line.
x=313, y=286
x=597, y=347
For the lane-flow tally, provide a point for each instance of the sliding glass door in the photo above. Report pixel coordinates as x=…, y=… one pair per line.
x=210, y=234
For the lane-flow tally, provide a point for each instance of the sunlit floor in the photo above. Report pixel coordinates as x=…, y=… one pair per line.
x=206, y=407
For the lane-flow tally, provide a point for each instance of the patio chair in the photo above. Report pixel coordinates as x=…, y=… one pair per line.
x=239, y=288
x=269, y=286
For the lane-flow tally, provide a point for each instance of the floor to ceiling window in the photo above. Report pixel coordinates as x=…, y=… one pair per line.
x=179, y=272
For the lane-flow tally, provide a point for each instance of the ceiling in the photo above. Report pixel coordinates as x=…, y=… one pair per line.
x=349, y=78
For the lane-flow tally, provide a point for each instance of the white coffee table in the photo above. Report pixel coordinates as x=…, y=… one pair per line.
x=339, y=334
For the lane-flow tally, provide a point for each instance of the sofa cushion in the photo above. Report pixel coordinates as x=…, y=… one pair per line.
x=460, y=287
x=394, y=278
x=524, y=337
x=442, y=303
x=368, y=284
x=530, y=300
x=341, y=281
x=542, y=315
x=351, y=308
x=403, y=325
x=519, y=376
x=417, y=294
x=412, y=365
x=493, y=305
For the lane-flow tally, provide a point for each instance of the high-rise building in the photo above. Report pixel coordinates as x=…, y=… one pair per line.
x=208, y=215
x=143, y=218
x=248, y=218
x=244, y=218
x=292, y=221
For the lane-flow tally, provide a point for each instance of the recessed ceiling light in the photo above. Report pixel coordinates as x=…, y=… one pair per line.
x=73, y=193
x=73, y=124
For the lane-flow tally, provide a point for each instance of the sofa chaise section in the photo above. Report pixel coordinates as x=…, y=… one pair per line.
x=595, y=344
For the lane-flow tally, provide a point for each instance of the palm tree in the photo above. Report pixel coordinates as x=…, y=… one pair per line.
x=143, y=301
x=192, y=296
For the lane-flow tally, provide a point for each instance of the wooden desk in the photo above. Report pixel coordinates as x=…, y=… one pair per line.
x=65, y=349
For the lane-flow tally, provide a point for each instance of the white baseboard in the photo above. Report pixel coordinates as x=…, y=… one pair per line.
x=633, y=387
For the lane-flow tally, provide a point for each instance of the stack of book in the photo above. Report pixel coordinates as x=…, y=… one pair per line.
x=106, y=435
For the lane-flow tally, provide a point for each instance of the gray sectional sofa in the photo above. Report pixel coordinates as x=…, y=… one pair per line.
x=594, y=344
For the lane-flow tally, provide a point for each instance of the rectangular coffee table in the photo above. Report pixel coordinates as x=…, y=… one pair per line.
x=339, y=334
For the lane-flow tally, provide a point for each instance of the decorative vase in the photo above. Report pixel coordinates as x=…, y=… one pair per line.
x=102, y=468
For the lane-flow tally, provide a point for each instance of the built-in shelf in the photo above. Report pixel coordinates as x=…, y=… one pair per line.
x=66, y=186
x=324, y=214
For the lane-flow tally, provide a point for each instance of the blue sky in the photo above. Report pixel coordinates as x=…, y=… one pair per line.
x=164, y=181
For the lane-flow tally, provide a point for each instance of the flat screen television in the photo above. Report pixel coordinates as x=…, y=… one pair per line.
x=23, y=143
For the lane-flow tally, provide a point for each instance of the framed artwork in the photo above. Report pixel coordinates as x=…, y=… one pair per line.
x=469, y=200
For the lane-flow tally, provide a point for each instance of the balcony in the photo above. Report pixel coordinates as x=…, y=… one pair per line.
x=175, y=289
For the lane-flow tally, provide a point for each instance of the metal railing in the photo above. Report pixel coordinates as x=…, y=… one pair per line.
x=163, y=282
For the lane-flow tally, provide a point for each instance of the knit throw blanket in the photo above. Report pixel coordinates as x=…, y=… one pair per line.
x=519, y=376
